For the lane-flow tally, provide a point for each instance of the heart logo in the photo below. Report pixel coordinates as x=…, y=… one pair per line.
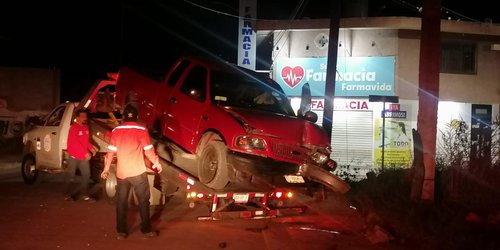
x=292, y=76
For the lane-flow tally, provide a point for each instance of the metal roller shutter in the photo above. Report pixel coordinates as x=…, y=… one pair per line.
x=352, y=138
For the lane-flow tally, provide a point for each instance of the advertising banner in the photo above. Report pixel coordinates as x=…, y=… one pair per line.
x=356, y=76
x=397, y=148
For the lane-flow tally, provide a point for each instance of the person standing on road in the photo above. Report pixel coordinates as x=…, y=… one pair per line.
x=130, y=142
x=80, y=151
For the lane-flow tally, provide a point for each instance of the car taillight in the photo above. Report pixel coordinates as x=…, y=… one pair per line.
x=282, y=195
x=193, y=195
x=278, y=194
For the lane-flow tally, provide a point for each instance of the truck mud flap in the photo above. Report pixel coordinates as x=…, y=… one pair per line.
x=324, y=177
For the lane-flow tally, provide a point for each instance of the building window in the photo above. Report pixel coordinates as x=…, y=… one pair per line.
x=264, y=51
x=458, y=58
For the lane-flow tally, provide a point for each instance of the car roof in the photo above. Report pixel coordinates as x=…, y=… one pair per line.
x=225, y=66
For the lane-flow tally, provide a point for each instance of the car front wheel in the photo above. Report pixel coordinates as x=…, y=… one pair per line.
x=212, y=165
x=29, y=170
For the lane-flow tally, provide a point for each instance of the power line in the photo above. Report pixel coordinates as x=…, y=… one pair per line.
x=460, y=15
x=292, y=17
x=447, y=10
x=223, y=13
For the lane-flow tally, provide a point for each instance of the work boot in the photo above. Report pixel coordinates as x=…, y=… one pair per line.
x=70, y=198
x=121, y=236
x=89, y=199
x=152, y=234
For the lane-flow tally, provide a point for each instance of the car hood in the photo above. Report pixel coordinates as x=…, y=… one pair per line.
x=280, y=126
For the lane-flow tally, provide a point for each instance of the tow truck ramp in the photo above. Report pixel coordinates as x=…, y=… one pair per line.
x=258, y=201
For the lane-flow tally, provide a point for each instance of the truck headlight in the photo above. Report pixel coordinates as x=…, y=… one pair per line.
x=250, y=143
x=319, y=158
x=25, y=138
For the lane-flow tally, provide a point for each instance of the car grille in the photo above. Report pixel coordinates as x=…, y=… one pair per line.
x=288, y=152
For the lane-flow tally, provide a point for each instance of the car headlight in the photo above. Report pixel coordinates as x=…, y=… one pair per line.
x=250, y=143
x=331, y=164
x=319, y=158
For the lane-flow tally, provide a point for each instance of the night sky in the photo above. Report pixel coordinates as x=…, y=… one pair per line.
x=86, y=39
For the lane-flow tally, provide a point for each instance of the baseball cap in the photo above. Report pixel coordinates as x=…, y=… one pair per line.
x=130, y=113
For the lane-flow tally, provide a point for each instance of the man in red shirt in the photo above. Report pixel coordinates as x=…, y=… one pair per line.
x=130, y=142
x=80, y=151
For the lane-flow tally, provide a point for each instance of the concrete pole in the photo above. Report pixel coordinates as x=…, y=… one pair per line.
x=430, y=51
x=331, y=70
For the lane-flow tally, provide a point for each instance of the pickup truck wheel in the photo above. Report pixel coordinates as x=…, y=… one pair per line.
x=29, y=170
x=212, y=165
x=109, y=187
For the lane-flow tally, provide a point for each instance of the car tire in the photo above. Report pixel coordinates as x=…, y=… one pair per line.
x=29, y=171
x=109, y=187
x=213, y=165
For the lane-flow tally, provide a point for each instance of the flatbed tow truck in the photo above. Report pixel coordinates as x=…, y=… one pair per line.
x=45, y=151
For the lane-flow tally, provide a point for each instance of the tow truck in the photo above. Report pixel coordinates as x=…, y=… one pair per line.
x=257, y=197
x=45, y=153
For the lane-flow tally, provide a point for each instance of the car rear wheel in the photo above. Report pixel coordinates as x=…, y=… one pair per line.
x=28, y=170
x=213, y=166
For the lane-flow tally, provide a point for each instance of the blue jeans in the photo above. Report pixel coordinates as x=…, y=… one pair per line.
x=83, y=186
x=141, y=188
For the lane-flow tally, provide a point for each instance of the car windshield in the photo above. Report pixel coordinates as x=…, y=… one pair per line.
x=245, y=90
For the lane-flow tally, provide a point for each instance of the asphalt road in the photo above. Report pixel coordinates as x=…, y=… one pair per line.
x=37, y=217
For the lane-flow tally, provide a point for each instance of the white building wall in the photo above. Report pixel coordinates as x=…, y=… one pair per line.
x=457, y=91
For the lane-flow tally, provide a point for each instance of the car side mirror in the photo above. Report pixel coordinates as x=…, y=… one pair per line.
x=305, y=100
x=34, y=121
x=196, y=94
x=310, y=116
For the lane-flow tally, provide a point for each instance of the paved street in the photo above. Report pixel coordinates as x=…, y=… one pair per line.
x=37, y=217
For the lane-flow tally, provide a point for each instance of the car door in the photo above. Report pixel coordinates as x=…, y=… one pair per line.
x=186, y=107
x=47, y=142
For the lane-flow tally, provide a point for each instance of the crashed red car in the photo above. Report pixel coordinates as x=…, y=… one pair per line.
x=231, y=124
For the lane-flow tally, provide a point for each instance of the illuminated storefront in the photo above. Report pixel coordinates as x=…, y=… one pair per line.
x=379, y=56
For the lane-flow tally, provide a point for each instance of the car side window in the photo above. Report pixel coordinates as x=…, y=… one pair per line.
x=55, y=117
x=195, y=83
x=177, y=73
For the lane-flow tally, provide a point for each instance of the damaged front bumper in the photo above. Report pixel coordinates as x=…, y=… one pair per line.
x=248, y=168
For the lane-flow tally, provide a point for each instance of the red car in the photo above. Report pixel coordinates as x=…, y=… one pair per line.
x=229, y=122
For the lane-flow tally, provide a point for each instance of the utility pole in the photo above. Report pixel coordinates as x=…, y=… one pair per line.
x=331, y=70
x=428, y=91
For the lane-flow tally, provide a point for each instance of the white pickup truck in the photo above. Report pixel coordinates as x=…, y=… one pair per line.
x=45, y=144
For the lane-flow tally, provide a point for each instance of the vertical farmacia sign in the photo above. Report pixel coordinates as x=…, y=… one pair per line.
x=355, y=77
x=247, y=44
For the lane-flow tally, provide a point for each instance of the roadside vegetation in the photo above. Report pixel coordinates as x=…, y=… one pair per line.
x=465, y=213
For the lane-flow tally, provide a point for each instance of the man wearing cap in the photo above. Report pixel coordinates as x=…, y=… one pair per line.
x=130, y=142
